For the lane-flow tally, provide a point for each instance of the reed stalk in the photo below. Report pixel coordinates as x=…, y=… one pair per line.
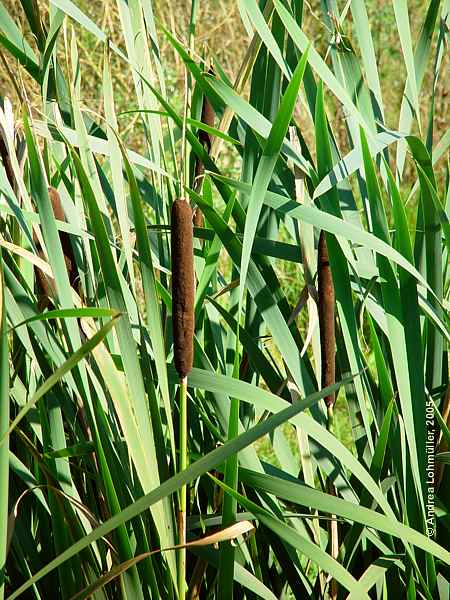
x=183, y=463
x=4, y=425
x=183, y=295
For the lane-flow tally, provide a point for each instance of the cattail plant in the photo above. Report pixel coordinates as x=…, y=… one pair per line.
x=326, y=319
x=328, y=364
x=183, y=296
x=95, y=418
x=206, y=140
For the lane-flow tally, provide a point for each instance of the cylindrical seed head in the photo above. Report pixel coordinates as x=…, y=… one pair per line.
x=326, y=318
x=46, y=285
x=183, y=286
x=208, y=116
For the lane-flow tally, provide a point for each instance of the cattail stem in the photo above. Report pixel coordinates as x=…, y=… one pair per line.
x=183, y=463
x=333, y=531
x=183, y=295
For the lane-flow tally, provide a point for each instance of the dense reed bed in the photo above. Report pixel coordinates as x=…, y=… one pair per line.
x=224, y=349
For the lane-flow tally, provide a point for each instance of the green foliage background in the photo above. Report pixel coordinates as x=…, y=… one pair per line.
x=329, y=117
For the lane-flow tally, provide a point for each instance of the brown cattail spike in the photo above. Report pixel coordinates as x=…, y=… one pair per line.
x=204, y=137
x=326, y=317
x=183, y=287
x=55, y=200
x=208, y=116
x=46, y=285
x=67, y=249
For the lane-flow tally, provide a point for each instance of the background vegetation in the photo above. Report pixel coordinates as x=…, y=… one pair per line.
x=330, y=116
